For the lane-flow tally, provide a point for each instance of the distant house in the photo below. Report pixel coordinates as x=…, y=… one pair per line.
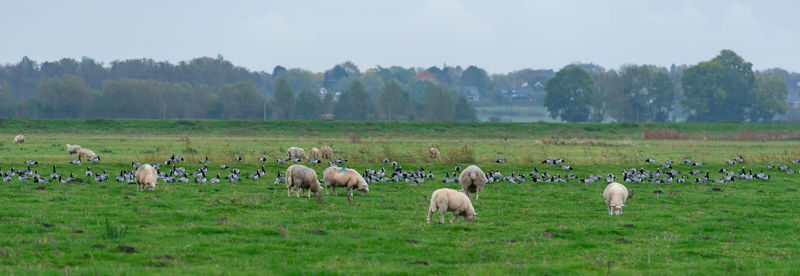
x=425, y=75
x=323, y=92
x=471, y=92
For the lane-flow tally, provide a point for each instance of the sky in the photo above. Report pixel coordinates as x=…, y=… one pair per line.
x=499, y=36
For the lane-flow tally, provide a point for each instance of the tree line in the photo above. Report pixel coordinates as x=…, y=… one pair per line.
x=213, y=88
x=724, y=88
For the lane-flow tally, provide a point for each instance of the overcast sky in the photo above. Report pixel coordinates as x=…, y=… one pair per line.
x=500, y=36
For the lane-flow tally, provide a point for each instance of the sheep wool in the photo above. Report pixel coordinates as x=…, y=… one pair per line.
x=472, y=180
x=295, y=152
x=72, y=149
x=434, y=153
x=314, y=153
x=299, y=177
x=327, y=152
x=19, y=139
x=86, y=153
x=344, y=177
x=615, y=195
x=445, y=199
x=146, y=178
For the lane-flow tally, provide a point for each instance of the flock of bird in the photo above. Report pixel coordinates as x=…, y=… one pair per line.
x=170, y=172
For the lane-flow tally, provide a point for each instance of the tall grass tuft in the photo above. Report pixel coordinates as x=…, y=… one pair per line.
x=114, y=232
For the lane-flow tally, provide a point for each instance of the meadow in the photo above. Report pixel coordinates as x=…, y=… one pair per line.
x=252, y=227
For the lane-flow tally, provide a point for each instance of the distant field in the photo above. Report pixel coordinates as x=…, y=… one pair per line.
x=747, y=227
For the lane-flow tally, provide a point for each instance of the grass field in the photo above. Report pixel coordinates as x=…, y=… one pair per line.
x=251, y=227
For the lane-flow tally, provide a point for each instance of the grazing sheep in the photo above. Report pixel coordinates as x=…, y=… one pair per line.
x=299, y=177
x=71, y=149
x=299, y=153
x=146, y=178
x=434, y=152
x=344, y=177
x=19, y=139
x=327, y=152
x=86, y=153
x=445, y=199
x=472, y=180
x=615, y=195
x=314, y=153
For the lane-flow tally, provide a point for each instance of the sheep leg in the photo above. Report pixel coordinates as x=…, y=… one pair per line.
x=430, y=214
x=610, y=210
x=348, y=193
x=476, y=195
x=309, y=193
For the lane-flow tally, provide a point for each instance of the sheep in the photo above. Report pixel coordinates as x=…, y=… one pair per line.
x=146, y=178
x=344, y=177
x=615, y=195
x=19, y=139
x=472, y=180
x=445, y=199
x=434, y=152
x=299, y=177
x=72, y=149
x=327, y=152
x=314, y=153
x=299, y=153
x=85, y=153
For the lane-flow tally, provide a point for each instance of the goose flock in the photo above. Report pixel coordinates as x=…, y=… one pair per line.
x=560, y=172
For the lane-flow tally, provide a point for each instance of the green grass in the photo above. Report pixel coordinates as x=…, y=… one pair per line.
x=531, y=228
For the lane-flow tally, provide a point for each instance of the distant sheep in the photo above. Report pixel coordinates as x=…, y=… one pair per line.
x=146, y=178
x=299, y=177
x=444, y=200
x=314, y=153
x=295, y=152
x=19, y=139
x=85, y=153
x=72, y=149
x=472, y=180
x=344, y=177
x=327, y=152
x=434, y=152
x=615, y=195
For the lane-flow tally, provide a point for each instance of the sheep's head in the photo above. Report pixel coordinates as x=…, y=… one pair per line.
x=617, y=209
x=150, y=186
x=364, y=188
x=470, y=216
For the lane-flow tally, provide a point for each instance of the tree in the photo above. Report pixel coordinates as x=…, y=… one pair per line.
x=64, y=97
x=394, y=102
x=308, y=106
x=284, y=100
x=132, y=98
x=464, y=110
x=645, y=94
x=438, y=105
x=720, y=89
x=354, y=104
x=6, y=104
x=241, y=101
x=570, y=94
x=334, y=75
x=770, y=98
x=328, y=103
x=277, y=71
x=474, y=76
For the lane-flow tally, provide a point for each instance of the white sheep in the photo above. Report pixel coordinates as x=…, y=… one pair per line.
x=445, y=199
x=314, y=153
x=472, y=180
x=434, y=152
x=299, y=177
x=295, y=152
x=71, y=149
x=19, y=139
x=327, y=152
x=146, y=178
x=86, y=153
x=615, y=195
x=344, y=177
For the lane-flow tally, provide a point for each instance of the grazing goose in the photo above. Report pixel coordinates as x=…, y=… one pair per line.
x=394, y=163
x=135, y=165
x=314, y=161
x=214, y=180
x=95, y=159
x=500, y=160
x=262, y=159
x=76, y=161
x=239, y=158
x=534, y=173
x=281, y=160
x=120, y=177
x=446, y=178
x=223, y=166
x=89, y=171
x=280, y=179
x=31, y=162
x=385, y=160
x=649, y=160
x=204, y=161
